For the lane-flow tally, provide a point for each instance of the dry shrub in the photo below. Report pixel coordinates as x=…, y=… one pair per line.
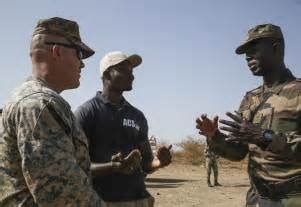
x=191, y=151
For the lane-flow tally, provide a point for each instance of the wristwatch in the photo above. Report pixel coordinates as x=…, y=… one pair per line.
x=268, y=135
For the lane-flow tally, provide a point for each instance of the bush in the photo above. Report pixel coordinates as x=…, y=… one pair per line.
x=191, y=151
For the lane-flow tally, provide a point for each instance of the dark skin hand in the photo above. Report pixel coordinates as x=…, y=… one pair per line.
x=164, y=156
x=163, y=159
x=128, y=164
x=118, y=164
x=207, y=126
x=241, y=130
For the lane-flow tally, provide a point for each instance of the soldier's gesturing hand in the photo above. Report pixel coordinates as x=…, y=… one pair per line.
x=241, y=130
x=207, y=126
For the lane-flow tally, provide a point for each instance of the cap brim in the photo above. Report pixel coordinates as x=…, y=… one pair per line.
x=87, y=51
x=242, y=48
x=135, y=60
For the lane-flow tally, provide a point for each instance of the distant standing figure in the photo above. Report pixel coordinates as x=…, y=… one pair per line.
x=211, y=165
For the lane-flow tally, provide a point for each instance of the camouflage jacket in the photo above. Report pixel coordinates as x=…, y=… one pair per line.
x=44, y=158
x=280, y=161
x=209, y=153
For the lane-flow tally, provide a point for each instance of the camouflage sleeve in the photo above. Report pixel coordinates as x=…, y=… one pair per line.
x=49, y=166
x=234, y=151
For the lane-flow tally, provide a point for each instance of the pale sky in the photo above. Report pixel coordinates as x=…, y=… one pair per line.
x=189, y=65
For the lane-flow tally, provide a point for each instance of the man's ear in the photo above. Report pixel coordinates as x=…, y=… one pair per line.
x=56, y=51
x=106, y=75
x=277, y=47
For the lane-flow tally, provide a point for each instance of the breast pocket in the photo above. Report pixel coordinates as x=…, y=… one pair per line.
x=286, y=121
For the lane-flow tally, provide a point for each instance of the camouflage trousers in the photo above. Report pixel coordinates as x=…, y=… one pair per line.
x=211, y=165
x=147, y=202
x=287, y=202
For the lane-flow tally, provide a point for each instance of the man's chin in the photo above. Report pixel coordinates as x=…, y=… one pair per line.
x=128, y=89
x=257, y=72
x=75, y=85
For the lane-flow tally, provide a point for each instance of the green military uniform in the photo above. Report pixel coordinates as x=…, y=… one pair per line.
x=275, y=172
x=44, y=159
x=274, y=169
x=211, y=165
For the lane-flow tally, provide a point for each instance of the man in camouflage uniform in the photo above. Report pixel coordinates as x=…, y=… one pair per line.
x=211, y=165
x=267, y=125
x=44, y=159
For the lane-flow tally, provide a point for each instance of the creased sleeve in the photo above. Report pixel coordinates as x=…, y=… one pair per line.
x=49, y=165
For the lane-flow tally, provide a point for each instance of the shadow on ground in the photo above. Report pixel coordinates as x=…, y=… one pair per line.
x=164, y=182
x=235, y=185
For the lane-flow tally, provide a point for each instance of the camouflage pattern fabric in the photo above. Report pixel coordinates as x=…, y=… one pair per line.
x=211, y=163
x=65, y=28
x=281, y=113
x=258, y=32
x=279, y=163
x=44, y=158
x=287, y=202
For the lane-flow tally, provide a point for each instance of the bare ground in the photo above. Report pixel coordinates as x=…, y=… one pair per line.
x=186, y=186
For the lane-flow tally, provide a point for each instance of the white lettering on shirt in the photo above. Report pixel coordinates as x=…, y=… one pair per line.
x=130, y=123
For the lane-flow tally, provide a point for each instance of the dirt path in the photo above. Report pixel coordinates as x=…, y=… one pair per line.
x=186, y=186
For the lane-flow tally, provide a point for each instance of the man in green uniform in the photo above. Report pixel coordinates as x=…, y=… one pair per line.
x=44, y=158
x=211, y=165
x=267, y=125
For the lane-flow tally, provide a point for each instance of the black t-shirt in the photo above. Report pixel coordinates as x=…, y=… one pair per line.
x=111, y=129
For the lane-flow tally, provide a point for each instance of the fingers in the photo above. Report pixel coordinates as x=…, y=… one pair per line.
x=202, y=133
x=232, y=138
x=238, y=113
x=237, y=118
x=117, y=157
x=215, y=120
x=230, y=123
x=198, y=123
x=134, y=154
x=230, y=129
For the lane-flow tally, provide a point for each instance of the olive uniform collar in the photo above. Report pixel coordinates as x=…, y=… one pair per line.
x=286, y=77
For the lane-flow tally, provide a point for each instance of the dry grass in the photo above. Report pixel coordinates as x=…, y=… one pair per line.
x=191, y=151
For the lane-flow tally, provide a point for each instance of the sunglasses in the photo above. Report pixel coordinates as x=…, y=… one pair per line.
x=79, y=53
